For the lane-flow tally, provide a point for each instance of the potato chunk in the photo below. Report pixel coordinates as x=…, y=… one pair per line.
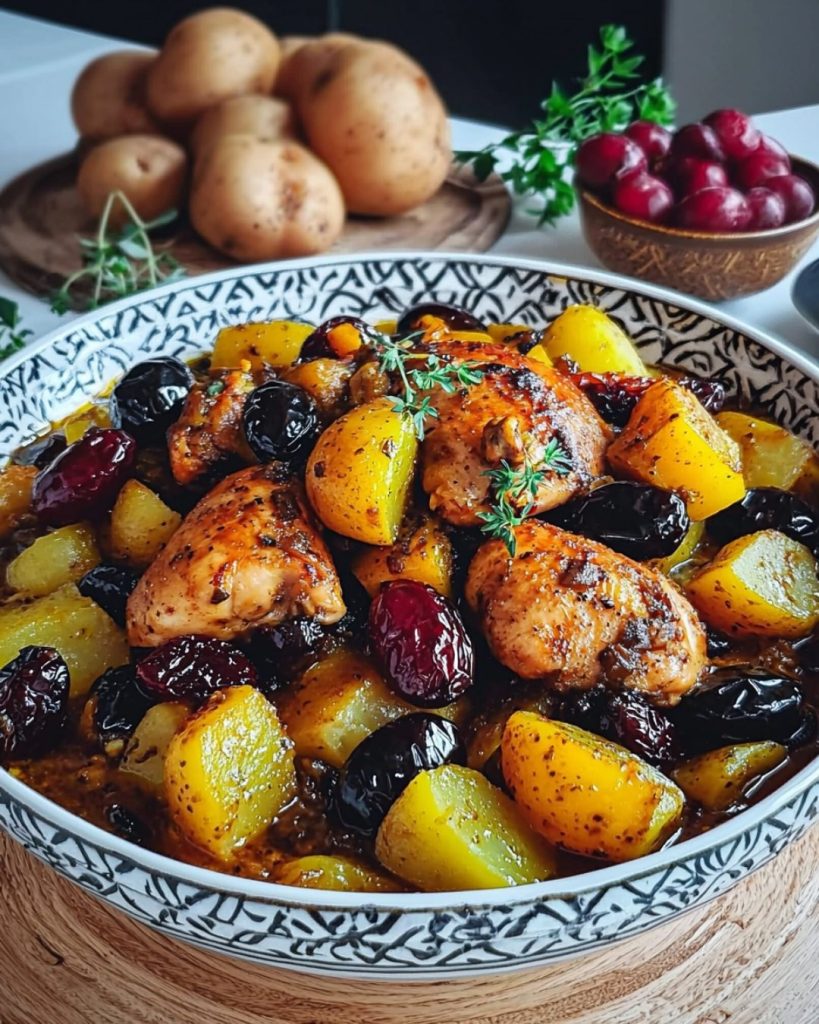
x=360, y=472
x=342, y=874
x=717, y=779
x=144, y=759
x=594, y=341
x=229, y=771
x=672, y=442
x=760, y=585
x=15, y=496
x=452, y=829
x=424, y=554
x=327, y=381
x=771, y=455
x=584, y=793
x=60, y=557
x=275, y=343
x=141, y=525
x=89, y=641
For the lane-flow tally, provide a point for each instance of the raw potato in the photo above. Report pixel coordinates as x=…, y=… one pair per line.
x=108, y=98
x=584, y=793
x=150, y=170
x=277, y=343
x=144, y=759
x=771, y=455
x=423, y=554
x=15, y=496
x=672, y=442
x=761, y=585
x=255, y=200
x=374, y=117
x=209, y=57
x=141, y=525
x=360, y=472
x=327, y=381
x=451, y=829
x=718, y=778
x=57, y=558
x=302, y=57
x=89, y=641
x=341, y=874
x=230, y=771
x=263, y=117
x=594, y=341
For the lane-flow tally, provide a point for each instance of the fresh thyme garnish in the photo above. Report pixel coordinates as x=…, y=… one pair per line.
x=12, y=336
x=120, y=262
x=509, y=484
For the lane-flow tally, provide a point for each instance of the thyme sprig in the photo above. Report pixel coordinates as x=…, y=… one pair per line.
x=13, y=337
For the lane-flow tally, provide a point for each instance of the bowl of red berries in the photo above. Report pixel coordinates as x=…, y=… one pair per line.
x=716, y=209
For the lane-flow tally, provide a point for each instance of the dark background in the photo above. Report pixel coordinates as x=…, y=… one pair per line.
x=492, y=60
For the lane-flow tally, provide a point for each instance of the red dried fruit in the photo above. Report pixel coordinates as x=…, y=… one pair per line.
x=193, y=667
x=33, y=702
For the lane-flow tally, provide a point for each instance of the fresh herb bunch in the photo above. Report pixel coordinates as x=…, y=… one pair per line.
x=511, y=484
x=119, y=262
x=607, y=100
x=13, y=337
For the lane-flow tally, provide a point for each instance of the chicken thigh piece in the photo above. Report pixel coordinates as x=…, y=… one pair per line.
x=248, y=555
x=573, y=612
x=511, y=415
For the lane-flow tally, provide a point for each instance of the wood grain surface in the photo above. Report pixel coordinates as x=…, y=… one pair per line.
x=41, y=218
x=751, y=957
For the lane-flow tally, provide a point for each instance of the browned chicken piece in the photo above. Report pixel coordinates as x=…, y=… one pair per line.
x=511, y=415
x=210, y=426
x=248, y=555
x=573, y=612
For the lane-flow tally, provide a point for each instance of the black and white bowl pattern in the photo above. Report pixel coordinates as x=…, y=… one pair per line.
x=406, y=935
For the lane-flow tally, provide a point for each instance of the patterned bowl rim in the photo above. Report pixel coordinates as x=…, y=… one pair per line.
x=560, y=888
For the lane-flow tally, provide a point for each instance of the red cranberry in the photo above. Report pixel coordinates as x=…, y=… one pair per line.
x=714, y=209
x=643, y=196
x=691, y=173
x=697, y=140
x=796, y=193
x=84, y=480
x=604, y=158
x=735, y=131
x=757, y=168
x=767, y=209
x=33, y=702
x=194, y=667
x=770, y=147
x=421, y=641
x=653, y=139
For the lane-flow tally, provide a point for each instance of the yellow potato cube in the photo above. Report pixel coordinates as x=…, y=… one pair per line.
x=327, y=381
x=144, y=759
x=341, y=874
x=56, y=558
x=718, y=778
x=424, y=554
x=15, y=496
x=141, y=525
x=275, y=343
x=771, y=455
x=82, y=421
x=594, y=341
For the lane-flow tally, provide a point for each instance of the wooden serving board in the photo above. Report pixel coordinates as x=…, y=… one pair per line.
x=41, y=218
x=751, y=957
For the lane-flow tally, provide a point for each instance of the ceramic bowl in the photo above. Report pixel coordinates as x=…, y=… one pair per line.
x=406, y=936
x=711, y=266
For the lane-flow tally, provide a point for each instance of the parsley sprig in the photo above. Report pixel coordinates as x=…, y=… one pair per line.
x=118, y=262
x=607, y=99
x=13, y=337
x=510, y=484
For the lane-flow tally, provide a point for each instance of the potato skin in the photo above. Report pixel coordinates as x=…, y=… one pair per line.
x=208, y=57
x=374, y=117
x=257, y=200
x=594, y=341
x=108, y=98
x=303, y=56
x=265, y=117
x=718, y=778
x=149, y=169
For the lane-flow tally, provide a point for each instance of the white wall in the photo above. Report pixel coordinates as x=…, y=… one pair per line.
x=756, y=55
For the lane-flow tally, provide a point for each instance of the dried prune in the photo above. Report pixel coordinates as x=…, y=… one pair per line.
x=193, y=667
x=767, y=508
x=383, y=765
x=637, y=520
x=422, y=643
x=807, y=652
x=41, y=452
x=280, y=652
x=127, y=825
x=456, y=318
x=281, y=422
x=718, y=643
x=119, y=705
x=33, y=702
x=110, y=586
x=614, y=395
x=84, y=479
x=711, y=393
x=150, y=397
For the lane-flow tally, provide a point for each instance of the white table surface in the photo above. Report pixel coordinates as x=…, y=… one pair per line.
x=39, y=62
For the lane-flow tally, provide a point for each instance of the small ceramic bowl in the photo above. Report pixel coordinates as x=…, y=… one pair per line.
x=708, y=265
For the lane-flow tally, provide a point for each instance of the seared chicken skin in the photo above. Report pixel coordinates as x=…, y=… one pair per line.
x=248, y=555
x=511, y=415
x=573, y=612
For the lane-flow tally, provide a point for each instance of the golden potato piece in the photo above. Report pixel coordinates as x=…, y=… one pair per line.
x=327, y=381
x=15, y=496
x=144, y=759
x=594, y=341
x=275, y=343
x=341, y=874
x=771, y=455
x=423, y=554
x=141, y=525
x=718, y=778
x=63, y=556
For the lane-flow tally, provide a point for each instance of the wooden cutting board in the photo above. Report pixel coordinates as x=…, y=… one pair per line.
x=751, y=957
x=41, y=218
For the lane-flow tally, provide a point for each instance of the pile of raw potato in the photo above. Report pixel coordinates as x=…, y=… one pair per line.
x=267, y=142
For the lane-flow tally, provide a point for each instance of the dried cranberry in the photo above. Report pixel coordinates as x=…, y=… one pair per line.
x=767, y=508
x=119, y=704
x=454, y=317
x=421, y=640
x=41, y=452
x=84, y=480
x=317, y=344
x=150, y=397
x=33, y=702
x=110, y=586
x=382, y=766
x=127, y=825
x=193, y=667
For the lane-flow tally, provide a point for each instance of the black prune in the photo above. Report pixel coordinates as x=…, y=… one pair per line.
x=281, y=422
x=382, y=766
x=711, y=393
x=110, y=586
x=637, y=520
x=280, y=652
x=33, y=702
x=767, y=508
x=718, y=643
x=41, y=452
x=119, y=705
x=807, y=652
x=456, y=318
x=614, y=395
x=127, y=825
x=150, y=397
x=193, y=667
